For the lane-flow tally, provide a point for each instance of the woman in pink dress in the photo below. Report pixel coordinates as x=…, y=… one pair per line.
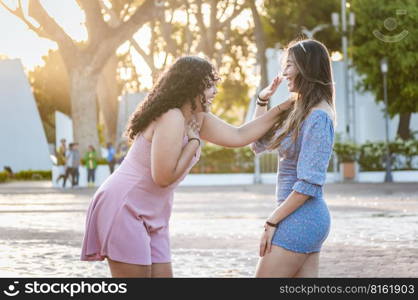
x=127, y=220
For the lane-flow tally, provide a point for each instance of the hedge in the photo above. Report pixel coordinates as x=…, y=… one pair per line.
x=26, y=175
x=216, y=159
x=371, y=156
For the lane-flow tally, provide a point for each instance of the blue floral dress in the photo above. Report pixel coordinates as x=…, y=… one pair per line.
x=302, y=168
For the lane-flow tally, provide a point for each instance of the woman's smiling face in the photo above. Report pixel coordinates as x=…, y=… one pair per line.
x=209, y=94
x=290, y=71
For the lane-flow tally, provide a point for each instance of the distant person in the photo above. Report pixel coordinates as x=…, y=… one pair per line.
x=68, y=165
x=72, y=164
x=90, y=159
x=60, y=154
x=122, y=151
x=76, y=163
x=111, y=157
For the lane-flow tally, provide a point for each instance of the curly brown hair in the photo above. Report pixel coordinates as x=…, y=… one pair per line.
x=181, y=83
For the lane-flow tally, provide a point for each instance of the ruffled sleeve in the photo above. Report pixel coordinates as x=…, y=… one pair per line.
x=259, y=146
x=315, y=153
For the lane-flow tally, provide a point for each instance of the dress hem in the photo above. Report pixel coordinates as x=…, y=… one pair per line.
x=293, y=250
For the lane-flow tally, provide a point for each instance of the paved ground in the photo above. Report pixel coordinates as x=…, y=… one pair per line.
x=215, y=230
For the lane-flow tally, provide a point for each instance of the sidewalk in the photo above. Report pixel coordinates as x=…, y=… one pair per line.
x=215, y=230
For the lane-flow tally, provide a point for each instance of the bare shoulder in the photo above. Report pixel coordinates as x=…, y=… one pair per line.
x=170, y=124
x=173, y=117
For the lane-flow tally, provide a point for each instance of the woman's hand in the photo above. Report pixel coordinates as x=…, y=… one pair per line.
x=266, y=93
x=193, y=129
x=265, y=243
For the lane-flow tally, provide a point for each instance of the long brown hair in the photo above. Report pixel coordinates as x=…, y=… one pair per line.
x=186, y=79
x=314, y=84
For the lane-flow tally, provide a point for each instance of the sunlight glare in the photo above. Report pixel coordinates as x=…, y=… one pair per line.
x=336, y=56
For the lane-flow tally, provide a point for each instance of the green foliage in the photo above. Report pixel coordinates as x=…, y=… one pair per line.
x=406, y=151
x=26, y=175
x=372, y=155
x=100, y=132
x=100, y=161
x=3, y=177
x=216, y=159
x=33, y=175
x=50, y=86
x=232, y=101
x=375, y=16
x=346, y=152
x=284, y=20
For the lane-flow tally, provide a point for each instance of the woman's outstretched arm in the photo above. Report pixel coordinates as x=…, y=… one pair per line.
x=219, y=132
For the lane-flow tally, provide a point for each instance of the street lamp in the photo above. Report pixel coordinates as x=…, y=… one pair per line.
x=352, y=23
x=335, y=17
x=384, y=68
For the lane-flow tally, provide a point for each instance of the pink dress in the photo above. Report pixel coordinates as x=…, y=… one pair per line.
x=128, y=217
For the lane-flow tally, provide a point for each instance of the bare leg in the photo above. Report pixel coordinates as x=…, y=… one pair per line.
x=124, y=270
x=161, y=270
x=310, y=267
x=280, y=263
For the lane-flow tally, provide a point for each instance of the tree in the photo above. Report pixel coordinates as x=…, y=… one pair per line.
x=107, y=94
x=286, y=20
x=260, y=41
x=388, y=29
x=232, y=101
x=119, y=76
x=205, y=28
x=50, y=85
x=84, y=62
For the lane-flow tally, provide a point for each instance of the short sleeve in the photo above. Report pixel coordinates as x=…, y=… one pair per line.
x=315, y=153
x=262, y=144
x=259, y=146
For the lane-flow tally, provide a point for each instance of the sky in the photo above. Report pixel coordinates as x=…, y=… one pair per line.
x=16, y=41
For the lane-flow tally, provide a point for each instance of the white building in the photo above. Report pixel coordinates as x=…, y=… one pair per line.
x=127, y=106
x=63, y=129
x=23, y=143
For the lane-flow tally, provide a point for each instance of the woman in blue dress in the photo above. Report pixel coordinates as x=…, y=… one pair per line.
x=303, y=136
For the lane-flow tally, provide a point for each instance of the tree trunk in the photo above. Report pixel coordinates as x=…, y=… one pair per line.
x=83, y=108
x=107, y=93
x=260, y=42
x=403, y=126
